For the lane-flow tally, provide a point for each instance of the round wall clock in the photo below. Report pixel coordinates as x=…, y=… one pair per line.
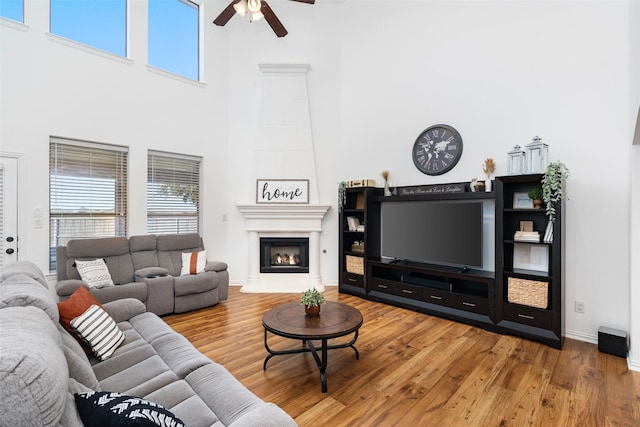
x=437, y=150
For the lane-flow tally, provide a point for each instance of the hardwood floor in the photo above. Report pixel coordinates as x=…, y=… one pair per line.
x=417, y=370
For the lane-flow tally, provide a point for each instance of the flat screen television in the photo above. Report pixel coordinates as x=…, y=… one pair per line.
x=433, y=232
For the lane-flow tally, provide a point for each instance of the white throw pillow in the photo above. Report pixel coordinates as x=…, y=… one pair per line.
x=98, y=330
x=193, y=262
x=95, y=273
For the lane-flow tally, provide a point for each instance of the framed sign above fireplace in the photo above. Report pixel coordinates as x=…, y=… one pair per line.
x=279, y=191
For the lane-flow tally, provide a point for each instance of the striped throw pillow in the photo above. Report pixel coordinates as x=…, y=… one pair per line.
x=193, y=262
x=99, y=331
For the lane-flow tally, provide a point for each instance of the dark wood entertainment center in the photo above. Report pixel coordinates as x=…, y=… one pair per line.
x=478, y=297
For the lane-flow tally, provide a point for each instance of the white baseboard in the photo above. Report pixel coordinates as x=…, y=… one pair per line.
x=581, y=336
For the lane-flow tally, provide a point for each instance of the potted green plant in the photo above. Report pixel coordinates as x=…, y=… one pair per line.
x=535, y=194
x=554, y=189
x=311, y=299
x=342, y=194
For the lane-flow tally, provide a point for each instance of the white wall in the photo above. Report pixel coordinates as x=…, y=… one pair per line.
x=634, y=194
x=50, y=88
x=500, y=72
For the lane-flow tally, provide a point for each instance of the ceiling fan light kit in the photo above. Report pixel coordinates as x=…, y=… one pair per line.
x=259, y=9
x=241, y=7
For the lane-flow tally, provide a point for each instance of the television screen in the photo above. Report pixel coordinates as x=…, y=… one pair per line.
x=434, y=232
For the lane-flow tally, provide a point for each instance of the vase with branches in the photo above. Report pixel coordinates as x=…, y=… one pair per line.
x=385, y=176
x=489, y=167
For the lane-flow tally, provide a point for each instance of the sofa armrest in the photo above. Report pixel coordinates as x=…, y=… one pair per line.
x=150, y=272
x=215, y=266
x=64, y=288
x=124, y=309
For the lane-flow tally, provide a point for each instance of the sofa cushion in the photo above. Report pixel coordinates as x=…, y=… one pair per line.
x=94, y=273
x=79, y=366
x=195, y=284
x=143, y=251
x=106, y=409
x=114, y=250
x=193, y=262
x=21, y=290
x=171, y=247
x=98, y=330
x=137, y=290
x=23, y=267
x=33, y=371
x=180, y=398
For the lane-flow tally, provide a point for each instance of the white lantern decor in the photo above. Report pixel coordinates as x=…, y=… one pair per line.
x=517, y=161
x=537, y=156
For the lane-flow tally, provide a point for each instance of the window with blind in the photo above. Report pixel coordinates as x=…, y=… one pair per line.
x=173, y=193
x=87, y=192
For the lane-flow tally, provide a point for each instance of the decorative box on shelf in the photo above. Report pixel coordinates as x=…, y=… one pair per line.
x=357, y=247
x=361, y=183
x=355, y=264
x=533, y=293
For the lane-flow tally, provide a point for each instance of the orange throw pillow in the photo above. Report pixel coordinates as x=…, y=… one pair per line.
x=73, y=307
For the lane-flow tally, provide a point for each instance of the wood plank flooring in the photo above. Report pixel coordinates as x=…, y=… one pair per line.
x=417, y=370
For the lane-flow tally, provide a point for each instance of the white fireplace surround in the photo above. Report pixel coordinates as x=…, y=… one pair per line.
x=283, y=221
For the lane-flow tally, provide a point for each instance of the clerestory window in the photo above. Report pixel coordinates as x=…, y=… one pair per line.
x=174, y=37
x=99, y=24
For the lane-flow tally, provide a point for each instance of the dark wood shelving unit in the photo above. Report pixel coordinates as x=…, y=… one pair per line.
x=471, y=296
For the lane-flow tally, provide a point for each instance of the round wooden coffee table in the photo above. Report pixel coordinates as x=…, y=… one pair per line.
x=290, y=321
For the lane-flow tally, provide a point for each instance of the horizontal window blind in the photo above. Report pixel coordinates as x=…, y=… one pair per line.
x=87, y=191
x=173, y=193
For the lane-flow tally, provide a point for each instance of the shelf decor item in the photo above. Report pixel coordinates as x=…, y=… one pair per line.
x=312, y=299
x=537, y=156
x=385, y=176
x=355, y=264
x=437, y=150
x=554, y=183
x=489, y=167
x=532, y=293
x=517, y=161
x=522, y=200
x=342, y=195
x=535, y=194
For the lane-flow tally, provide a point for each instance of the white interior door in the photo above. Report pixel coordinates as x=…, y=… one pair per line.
x=8, y=210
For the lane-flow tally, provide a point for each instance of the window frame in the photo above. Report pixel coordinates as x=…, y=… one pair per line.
x=111, y=163
x=166, y=158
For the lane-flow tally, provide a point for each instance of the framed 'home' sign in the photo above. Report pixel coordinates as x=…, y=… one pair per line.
x=293, y=191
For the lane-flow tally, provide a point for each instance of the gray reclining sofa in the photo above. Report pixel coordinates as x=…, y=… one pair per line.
x=147, y=268
x=42, y=366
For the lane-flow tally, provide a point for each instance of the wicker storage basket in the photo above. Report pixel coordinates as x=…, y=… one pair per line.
x=528, y=292
x=355, y=264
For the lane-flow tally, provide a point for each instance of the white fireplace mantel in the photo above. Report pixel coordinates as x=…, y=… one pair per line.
x=283, y=221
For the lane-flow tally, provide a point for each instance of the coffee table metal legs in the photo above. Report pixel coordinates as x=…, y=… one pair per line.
x=308, y=347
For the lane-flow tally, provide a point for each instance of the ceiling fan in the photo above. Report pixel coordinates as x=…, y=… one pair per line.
x=258, y=9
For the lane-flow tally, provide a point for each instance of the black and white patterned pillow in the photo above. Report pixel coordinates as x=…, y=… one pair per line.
x=95, y=273
x=99, y=331
x=110, y=409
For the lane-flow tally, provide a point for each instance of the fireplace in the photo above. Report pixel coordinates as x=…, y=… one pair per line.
x=284, y=255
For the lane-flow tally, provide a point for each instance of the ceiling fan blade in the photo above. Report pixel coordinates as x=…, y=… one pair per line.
x=226, y=14
x=305, y=1
x=273, y=20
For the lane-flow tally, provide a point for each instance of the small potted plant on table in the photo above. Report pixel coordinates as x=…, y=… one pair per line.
x=311, y=299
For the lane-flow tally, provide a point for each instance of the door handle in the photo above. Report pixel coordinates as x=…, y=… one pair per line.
x=10, y=251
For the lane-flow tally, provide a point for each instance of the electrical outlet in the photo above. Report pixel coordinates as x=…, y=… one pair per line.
x=579, y=307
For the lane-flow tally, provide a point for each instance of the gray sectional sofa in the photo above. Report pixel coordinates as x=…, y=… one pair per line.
x=147, y=268
x=42, y=365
